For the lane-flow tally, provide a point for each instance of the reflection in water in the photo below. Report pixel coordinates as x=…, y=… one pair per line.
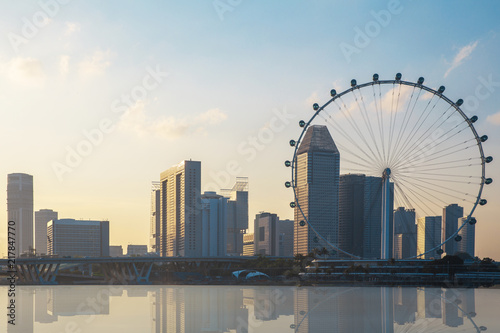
x=242, y=309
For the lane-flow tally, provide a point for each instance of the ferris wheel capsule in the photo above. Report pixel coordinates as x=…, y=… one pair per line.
x=292, y=204
x=441, y=89
x=315, y=106
x=288, y=184
x=333, y=92
x=459, y=102
x=353, y=83
x=375, y=77
x=439, y=251
x=483, y=202
x=302, y=223
x=488, y=159
x=292, y=143
x=302, y=123
x=473, y=119
x=458, y=238
x=398, y=76
x=488, y=181
x=484, y=138
x=288, y=163
x=472, y=221
x=420, y=80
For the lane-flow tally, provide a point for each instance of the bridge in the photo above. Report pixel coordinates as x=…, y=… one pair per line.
x=119, y=270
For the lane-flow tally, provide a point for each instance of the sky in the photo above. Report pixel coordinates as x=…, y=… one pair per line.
x=97, y=98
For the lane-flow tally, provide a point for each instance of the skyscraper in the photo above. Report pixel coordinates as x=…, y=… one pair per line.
x=180, y=207
x=237, y=215
x=451, y=214
x=42, y=216
x=405, y=231
x=154, y=240
x=266, y=238
x=317, y=186
x=352, y=213
x=20, y=210
x=468, y=242
x=214, y=225
x=70, y=237
x=428, y=235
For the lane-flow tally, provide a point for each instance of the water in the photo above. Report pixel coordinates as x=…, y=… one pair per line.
x=242, y=309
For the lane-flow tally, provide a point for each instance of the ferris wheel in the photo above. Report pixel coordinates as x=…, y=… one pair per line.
x=413, y=141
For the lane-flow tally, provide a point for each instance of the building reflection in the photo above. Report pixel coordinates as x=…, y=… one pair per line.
x=244, y=309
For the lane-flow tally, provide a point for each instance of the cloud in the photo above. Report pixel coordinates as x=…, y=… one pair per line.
x=135, y=120
x=212, y=117
x=27, y=71
x=96, y=64
x=71, y=27
x=64, y=64
x=313, y=98
x=494, y=118
x=463, y=54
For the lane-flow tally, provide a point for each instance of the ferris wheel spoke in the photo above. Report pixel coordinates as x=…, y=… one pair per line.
x=444, y=168
x=439, y=141
x=433, y=127
x=441, y=187
x=438, y=154
x=358, y=131
x=405, y=122
x=368, y=125
x=393, y=124
x=379, y=121
x=429, y=192
x=448, y=180
x=413, y=197
x=418, y=124
x=349, y=138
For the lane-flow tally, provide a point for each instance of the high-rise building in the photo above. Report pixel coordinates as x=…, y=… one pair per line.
x=317, y=187
x=155, y=223
x=214, y=225
x=352, y=213
x=372, y=229
x=70, y=237
x=265, y=234
x=451, y=214
x=42, y=216
x=20, y=210
x=285, y=238
x=180, y=208
x=468, y=242
x=428, y=235
x=405, y=233
x=248, y=245
x=272, y=236
x=237, y=215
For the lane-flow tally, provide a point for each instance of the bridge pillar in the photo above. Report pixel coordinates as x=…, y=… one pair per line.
x=127, y=273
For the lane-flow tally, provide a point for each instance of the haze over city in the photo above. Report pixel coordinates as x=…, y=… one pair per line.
x=140, y=87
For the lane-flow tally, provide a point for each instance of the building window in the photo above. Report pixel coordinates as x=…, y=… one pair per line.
x=262, y=233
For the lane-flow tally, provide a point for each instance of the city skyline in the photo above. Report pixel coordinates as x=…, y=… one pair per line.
x=62, y=84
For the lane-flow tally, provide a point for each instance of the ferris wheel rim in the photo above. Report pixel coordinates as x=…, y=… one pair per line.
x=421, y=86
